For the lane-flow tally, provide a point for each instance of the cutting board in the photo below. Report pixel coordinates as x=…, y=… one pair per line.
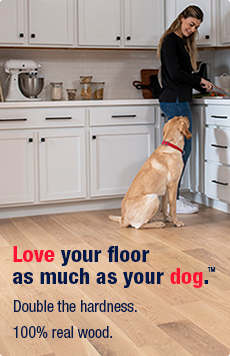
x=145, y=80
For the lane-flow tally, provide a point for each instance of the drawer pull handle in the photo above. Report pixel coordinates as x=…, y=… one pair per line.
x=123, y=116
x=43, y=139
x=30, y=139
x=218, y=117
x=59, y=118
x=218, y=146
x=94, y=137
x=19, y=119
x=217, y=182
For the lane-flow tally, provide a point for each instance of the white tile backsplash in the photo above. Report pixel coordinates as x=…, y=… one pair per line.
x=117, y=68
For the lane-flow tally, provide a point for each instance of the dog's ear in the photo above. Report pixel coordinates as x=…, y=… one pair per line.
x=184, y=125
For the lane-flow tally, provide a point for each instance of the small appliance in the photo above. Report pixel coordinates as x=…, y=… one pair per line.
x=24, y=83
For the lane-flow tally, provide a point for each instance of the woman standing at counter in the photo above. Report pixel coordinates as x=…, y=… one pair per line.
x=178, y=53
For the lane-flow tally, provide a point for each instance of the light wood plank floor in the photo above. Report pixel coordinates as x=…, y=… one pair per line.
x=168, y=319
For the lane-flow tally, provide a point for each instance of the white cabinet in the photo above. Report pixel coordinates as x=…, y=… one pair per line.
x=196, y=160
x=99, y=23
x=42, y=155
x=217, y=153
x=62, y=164
x=51, y=22
x=144, y=23
x=115, y=23
x=17, y=167
x=37, y=22
x=224, y=9
x=207, y=32
x=121, y=140
x=12, y=22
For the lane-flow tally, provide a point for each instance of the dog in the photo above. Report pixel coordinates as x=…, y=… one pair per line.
x=159, y=176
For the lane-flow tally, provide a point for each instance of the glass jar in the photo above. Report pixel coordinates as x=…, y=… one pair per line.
x=86, y=91
x=86, y=79
x=98, y=90
x=71, y=93
x=56, y=91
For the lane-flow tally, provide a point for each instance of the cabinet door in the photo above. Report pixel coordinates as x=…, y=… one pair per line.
x=174, y=7
x=12, y=22
x=144, y=22
x=196, y=159
x=51, y=22
x=224, y=21
x=99, y=23
x=17, y=167
x=62, y=164
x=117, y=154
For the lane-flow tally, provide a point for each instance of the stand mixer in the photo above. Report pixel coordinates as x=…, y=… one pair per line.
x=24, y=84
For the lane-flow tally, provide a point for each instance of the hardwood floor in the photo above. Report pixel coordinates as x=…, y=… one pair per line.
x=186, y=319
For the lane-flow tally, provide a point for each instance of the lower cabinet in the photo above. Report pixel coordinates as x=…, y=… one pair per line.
x=196, y=160
x=62, y=164
x=217, y=152
x=117, y=154
x=17, y=167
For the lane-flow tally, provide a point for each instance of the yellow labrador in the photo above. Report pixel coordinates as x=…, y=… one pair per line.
x=158, y=176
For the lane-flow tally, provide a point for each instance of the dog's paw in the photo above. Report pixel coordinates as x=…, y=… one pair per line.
x=168, y=218
x=179, y=223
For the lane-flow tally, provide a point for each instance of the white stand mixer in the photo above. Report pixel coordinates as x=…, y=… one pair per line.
x=15, y=67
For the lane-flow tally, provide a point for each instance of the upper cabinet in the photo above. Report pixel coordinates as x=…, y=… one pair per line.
x=99, y=23
x=38, y=22
x=207, y=33
x=51, y=22
x=120, y=23
x=12, y=22
x=224, y=10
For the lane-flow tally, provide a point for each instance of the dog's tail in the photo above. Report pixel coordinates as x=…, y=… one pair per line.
x=115, y=218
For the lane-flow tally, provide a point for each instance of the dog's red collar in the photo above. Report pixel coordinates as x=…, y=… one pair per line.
x=166, y=143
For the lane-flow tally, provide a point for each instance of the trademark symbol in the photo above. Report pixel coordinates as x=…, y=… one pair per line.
x=212, y=269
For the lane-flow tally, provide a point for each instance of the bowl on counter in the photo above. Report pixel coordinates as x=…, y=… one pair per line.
x=30, y=85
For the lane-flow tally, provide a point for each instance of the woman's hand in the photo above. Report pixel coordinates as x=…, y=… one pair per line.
x=206, y=85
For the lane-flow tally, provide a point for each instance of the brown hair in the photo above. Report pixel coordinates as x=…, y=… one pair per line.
x=190, y=42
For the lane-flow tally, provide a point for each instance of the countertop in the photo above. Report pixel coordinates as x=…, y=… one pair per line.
x=93, y=103
x=76, y=103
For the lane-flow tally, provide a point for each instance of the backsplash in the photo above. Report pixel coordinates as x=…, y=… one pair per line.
x=117, y=68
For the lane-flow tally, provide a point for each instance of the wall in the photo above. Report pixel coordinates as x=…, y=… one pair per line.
x=117, y=68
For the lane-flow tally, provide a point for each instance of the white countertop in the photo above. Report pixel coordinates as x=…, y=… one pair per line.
x=76, y=103
x=92, y=103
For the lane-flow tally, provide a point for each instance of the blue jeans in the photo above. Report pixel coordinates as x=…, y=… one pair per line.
x=177, y=109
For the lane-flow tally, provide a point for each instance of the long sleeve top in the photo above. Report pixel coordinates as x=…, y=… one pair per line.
x=177, y=77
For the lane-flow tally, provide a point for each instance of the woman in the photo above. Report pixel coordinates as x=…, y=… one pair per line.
x=178, y=54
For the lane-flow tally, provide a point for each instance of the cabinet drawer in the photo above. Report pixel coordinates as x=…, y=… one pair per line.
x=42, y=118
x=217, y=181
x=218, y=115
x=122, y=115
x=217, y=144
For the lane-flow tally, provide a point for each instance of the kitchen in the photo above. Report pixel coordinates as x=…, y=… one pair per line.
x=79, y=46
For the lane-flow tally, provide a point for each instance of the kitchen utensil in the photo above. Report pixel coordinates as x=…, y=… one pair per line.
x=23, y=88
x=220, y=91
x=30, y=85
x=149, y=83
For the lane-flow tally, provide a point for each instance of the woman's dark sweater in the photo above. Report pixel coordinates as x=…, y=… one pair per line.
x=177, y=77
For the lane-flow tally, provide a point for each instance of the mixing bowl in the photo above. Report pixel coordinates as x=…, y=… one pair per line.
x=30, y=85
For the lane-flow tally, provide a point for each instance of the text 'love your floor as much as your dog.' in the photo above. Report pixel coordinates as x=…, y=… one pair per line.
x=92, y=256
